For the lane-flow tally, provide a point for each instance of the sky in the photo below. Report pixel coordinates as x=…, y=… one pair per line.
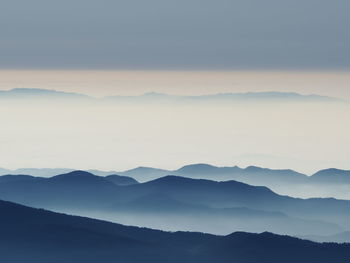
x=183, y=34
x=184, y=47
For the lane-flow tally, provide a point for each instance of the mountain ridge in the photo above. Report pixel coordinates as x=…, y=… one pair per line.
x=270, y=96
x=80, y=239
x=330, y=182
x=86, y=193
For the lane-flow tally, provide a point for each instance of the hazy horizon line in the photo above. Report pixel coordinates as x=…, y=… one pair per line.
x=243, y=167
x=267, y=92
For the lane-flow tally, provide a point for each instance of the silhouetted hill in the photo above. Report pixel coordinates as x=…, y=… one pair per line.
x=204, y=191
x=18, y=177
x=38, y=236
x=76, y=189
x=49, y=172
x=203, y=168
x=121, y=180
x=251, y=174
x=146, y=173
x=30, y=93
x=332, y=175
x=78, y=177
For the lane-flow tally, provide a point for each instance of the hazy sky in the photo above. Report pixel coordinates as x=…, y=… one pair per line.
x=158, y=34
x=177, y=47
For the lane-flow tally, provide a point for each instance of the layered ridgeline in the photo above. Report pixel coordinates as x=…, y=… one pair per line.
x=153, y=97
x=251, y=174
x=179, y=203
x=39, y=236
x=324, y=183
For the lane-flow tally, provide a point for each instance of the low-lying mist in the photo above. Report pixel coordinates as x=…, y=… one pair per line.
x=214, y=223
x=305, y=136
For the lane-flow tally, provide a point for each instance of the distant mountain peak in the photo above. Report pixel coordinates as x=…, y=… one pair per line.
x=176, y=180
x=144, y=168
x=77, y=175
x=38, y=93
x=332, y=174
x=199, y=167
x=332, y=170
x=155, y=94
x=168, y=178
x=180, y=180
x=254, y=168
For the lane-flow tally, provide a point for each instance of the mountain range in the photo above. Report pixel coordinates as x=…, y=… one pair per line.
x=269, y=96
x=24, y=93
x=40, y=236
x=324, y=183
x=174, y=203
x=251, y=174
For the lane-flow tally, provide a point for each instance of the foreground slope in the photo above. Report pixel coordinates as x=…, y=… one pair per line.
x=35, y=236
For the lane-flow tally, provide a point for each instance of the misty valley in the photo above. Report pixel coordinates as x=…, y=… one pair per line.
x=174, y=202
x=195, y=213
x=116, y=217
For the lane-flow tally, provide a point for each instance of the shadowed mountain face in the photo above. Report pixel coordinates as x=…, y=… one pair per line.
x=174, y=203
x=233, y=194
x=35, y=236
x=121, y=180
x=332, y=176
x=20, y=178
x=75, y=189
